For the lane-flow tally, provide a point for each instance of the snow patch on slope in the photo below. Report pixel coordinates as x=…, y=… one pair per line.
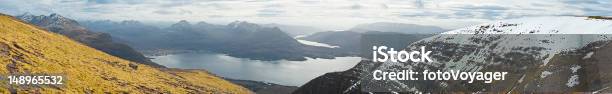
x=547, y=25
x=545, y=73
x=312, y=43
x=573, y=81
x=575, y=68
x=521, y=33
x=588, y=55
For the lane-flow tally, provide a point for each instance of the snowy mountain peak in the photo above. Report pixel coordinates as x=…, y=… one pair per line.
x=515, y=45
x=549, y=35
x=540, y=54
x=26, y=16
x=53, y=20
x=541, y=25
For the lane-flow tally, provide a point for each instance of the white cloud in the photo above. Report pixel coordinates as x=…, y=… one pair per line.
x=336, y=14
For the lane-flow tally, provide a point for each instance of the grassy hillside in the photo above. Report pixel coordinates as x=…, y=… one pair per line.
x=26, y=49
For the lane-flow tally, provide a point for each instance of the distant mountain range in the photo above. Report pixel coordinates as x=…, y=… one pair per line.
x=238, y=39
x=265, y=42
x=72, y=29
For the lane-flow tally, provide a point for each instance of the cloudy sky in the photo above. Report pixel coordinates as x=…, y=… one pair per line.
x=326, y=14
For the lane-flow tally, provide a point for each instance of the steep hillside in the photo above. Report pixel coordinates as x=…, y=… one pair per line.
x=541, y=55
x=26, y=49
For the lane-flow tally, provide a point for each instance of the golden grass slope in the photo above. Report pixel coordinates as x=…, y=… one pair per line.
x=27, y=49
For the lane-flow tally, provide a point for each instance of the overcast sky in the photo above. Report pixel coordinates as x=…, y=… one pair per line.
x=326, y=14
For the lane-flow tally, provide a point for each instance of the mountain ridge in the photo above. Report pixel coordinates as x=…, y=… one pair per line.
x=238, y=39
x=26, y=49
x=72, y=29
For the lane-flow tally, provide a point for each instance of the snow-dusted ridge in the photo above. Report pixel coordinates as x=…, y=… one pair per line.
x=540, y=54
x=521, y=43
x=555, y=34
x=545, y=25
x=549, y=35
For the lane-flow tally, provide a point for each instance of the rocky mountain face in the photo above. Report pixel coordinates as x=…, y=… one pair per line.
x=344, y=82
x=398, y=27
x=72, y=29
x=237, y=39
x=541, y=55
x=26, y=49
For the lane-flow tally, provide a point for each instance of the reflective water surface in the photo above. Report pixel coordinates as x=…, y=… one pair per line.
x=293, y=73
